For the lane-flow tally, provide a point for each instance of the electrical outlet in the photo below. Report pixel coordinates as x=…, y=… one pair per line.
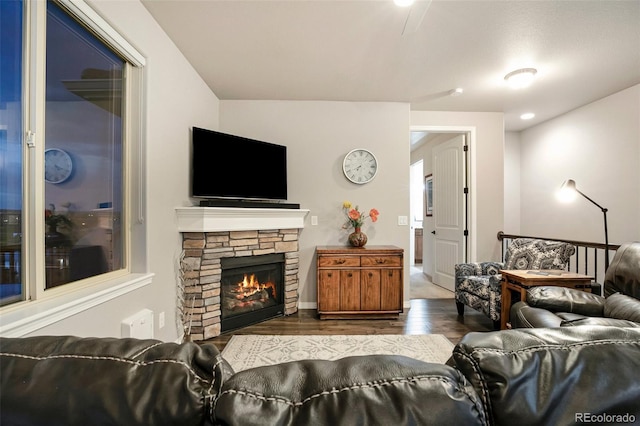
x=403, y=220
x=161, y=320
x=314, y=220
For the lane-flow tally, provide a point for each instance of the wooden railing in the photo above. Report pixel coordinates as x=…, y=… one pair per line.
x=588, y=258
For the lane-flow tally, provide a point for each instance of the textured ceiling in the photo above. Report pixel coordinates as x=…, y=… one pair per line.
x=372, y=50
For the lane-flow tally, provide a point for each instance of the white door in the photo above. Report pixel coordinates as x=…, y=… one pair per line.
x=448, y=209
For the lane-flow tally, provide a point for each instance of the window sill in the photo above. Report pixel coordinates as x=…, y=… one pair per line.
x=35, y=315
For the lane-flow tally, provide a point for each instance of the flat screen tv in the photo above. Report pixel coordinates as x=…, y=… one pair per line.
x=234, y=167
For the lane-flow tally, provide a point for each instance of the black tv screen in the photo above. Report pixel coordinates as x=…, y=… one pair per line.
x=228, y=166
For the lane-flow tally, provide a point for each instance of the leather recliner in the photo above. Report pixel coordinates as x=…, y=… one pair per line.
x=563, y=307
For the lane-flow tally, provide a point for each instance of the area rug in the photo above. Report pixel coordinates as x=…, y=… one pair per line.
x=249, y=351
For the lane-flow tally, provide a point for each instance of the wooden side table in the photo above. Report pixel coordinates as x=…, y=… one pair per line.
x=516, y=281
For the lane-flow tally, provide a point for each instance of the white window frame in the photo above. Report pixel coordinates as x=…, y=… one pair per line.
x=42, y=309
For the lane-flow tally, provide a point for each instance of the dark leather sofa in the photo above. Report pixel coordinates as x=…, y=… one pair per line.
x=563, y=307
x=555, y=376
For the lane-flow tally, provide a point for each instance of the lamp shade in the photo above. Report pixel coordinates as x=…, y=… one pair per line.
x=567, y=191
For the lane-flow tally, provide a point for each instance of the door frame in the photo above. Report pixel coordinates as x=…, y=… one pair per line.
x=471, y=250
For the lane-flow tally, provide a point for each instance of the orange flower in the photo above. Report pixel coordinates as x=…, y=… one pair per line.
x=355, y=218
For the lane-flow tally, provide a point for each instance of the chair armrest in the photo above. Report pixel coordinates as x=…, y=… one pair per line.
x=562, y=299
x=591, y=321
x=478, y=268
x=525, y=316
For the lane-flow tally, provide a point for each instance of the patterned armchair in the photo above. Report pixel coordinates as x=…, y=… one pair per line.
x=478, y=285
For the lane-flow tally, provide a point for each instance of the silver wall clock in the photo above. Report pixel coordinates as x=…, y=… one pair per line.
x=360, y=166
x=58, y=165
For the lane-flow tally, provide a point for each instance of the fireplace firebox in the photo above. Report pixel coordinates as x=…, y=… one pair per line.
x=252, y=290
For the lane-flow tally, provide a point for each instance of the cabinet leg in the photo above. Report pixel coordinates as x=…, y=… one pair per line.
x=460, y=307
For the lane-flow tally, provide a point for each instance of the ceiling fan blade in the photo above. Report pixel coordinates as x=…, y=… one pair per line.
x=415, y=16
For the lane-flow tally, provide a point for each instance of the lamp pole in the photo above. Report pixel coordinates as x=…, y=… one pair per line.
x=606, y=231
x=571, y=184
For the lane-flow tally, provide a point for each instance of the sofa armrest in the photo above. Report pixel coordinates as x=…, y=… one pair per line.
x=63, y=380
x=364, y=390
x=534, y=376
x=562, y=299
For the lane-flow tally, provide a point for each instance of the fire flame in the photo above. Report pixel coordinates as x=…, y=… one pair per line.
x=250, y=285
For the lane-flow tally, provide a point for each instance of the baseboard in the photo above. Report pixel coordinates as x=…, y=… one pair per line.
x=307, y=305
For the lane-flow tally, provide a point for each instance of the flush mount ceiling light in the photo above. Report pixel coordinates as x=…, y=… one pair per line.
x=527, y=116
x=521, y=78
x=456, y=92
x=403, y=3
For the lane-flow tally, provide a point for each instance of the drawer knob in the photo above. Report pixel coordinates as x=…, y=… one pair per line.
x=339, y=261
x=329, y=274
x=381, y=261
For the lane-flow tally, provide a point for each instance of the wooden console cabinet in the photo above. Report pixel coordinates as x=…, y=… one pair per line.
x=359, y=282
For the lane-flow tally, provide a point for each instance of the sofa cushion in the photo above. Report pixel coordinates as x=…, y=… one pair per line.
x=622, y=307
x=548, y=376
x=362, y=390
x=50, y=380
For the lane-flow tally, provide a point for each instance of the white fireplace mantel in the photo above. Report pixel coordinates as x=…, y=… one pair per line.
x=217, y=219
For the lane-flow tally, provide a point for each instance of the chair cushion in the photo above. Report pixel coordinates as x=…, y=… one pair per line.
x=622, y=307
x=526, y=253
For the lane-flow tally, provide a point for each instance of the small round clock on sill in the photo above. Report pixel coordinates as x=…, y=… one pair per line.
x=58, y=165
x=360, y=166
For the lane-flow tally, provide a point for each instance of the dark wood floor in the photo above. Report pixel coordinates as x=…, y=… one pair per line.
x=426, y=316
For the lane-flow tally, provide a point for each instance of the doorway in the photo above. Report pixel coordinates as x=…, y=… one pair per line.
x=439, y=259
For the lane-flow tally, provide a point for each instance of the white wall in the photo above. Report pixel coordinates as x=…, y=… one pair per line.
x=597, y=145
x=317, y=136
x=512, y=183
x=176, y=99
x=486, y=174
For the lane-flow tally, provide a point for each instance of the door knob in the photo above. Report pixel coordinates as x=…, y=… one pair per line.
x=433, y=232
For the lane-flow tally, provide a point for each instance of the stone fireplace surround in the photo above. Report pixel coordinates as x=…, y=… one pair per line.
x=211, y=233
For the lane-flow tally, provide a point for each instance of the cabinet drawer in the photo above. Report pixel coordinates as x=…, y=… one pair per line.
x=338, y=261
x=381, y=261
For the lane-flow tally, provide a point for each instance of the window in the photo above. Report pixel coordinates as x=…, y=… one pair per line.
x=11, y=160
x=70, y=129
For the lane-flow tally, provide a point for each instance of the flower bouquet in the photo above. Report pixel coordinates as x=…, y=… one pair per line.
x=355, y=219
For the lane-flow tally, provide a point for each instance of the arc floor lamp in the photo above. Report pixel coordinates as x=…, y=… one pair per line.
x=567, y=193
